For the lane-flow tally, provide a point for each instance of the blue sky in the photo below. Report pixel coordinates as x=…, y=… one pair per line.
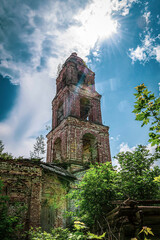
x=119, y=41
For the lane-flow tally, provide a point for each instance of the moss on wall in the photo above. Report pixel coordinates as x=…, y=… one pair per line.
x=53, y=203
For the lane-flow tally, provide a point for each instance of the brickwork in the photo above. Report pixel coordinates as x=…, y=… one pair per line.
x=71, y=132
x=53, y=202
x=22, y=183
x=78, y=124
x=70, y=97
x=36, y=186
x=75, y=72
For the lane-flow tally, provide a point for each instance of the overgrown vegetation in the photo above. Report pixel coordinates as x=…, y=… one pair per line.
x=102, y=184
x=11, y=225
x=93, y=195
x=79, y=232
x=137, y=173
x=136, y=177
x=147, y=110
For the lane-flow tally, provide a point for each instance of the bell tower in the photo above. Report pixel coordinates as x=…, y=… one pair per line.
x=78, y=136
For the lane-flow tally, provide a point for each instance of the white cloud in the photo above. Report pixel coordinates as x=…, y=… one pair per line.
x=28, y=117
x=151, y=148
x=149, y=47
x=115, y=138
x=147, y=15
x=116, y=163
x=138, y=54
x=125, y=148
x=156, y=50
x=49, y=33
x=123, y=6
x=147, y=51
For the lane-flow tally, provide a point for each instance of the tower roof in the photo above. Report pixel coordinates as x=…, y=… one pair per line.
x=76, y=72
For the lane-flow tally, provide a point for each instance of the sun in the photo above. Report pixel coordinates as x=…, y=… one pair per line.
x=102, y=26
x=96, y=23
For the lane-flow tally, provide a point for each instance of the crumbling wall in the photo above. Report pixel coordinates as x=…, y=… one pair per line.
x=81, y=103
x=53, y=201
x=41, y=192
x=22, y=183
x=75, y=71
x=71, y=132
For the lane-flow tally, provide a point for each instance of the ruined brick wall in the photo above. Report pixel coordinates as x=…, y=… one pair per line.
x=40, y=192
x=22, y=183
x=75, y=71
x=71, y=132
x=53, y=201
x=70, y=97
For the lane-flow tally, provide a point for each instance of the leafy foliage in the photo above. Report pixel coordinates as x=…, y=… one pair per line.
x=39, y=148
x=146, y=231
x=147, y=110
x=93, y=195
x=60, y=234
x=10, y=225
x=136, y=176
x=1, y=147
x=101, y=184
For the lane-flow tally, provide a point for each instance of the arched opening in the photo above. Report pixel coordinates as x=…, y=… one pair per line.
x=60, y=114
x=81, y=78
x=84, y=108
x=89, y=153
x=57, y=156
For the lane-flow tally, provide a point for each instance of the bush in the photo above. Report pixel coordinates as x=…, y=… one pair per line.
x=79, y=233
x=10, y=226
x=93, y=195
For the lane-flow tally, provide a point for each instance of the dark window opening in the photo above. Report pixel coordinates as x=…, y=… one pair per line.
x=60, y=114
x=84, y=108
x=57, y=150
x=89, y=148
x=81, y=78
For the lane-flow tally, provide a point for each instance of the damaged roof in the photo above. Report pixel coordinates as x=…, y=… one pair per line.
x=46, y=166
x=57, y=169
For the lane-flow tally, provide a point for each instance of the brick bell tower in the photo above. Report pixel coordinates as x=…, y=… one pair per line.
x=78, y=136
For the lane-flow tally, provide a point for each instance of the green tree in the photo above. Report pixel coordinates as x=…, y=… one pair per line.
x=93, y=195
x=1, y=147
x=147, y=110
x=4, y=155
x=137, y=173
x=39, y=148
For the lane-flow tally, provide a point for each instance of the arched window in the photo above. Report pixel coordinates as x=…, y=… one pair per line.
x=84, y=108
x=89, y=151
x=81, y=78
x=60, y=114
x=57, y=156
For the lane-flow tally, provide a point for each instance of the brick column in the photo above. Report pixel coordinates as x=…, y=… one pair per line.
x=35, y=202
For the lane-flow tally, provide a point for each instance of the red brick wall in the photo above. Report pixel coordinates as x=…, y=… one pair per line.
x=70, y=91
x=70, y=96
x=71, y=131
